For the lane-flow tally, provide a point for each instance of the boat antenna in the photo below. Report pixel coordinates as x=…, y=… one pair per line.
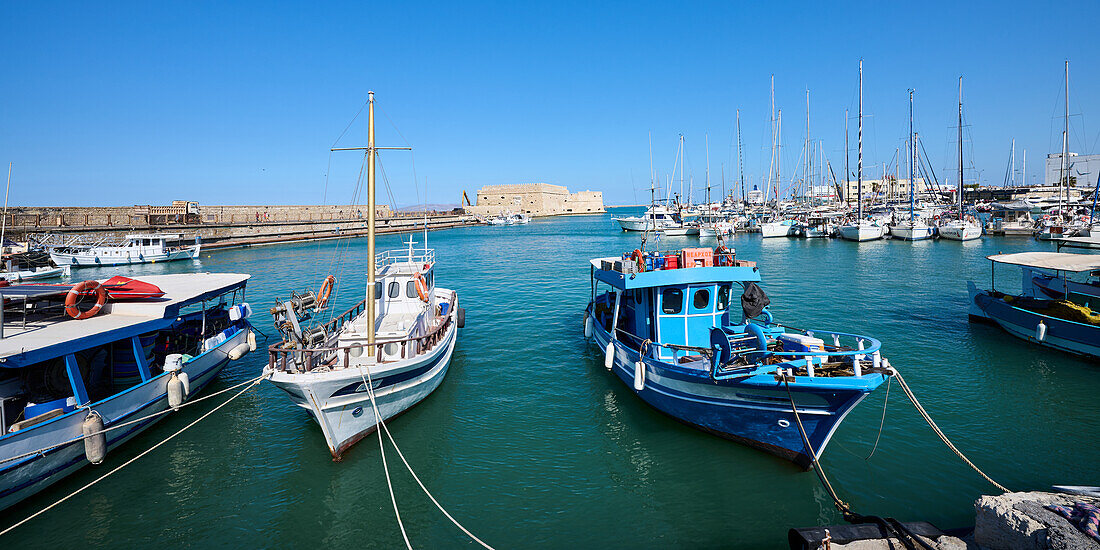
x=372, y=154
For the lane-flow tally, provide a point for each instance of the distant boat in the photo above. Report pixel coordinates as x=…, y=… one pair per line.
x=913, y=227
x=35, y=274
x=135, y=249
x=861, y=229
x=965, y=228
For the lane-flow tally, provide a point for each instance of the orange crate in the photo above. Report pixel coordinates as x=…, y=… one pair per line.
x=698, y=257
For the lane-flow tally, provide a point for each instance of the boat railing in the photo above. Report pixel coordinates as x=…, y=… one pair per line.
x=289, y=358
x=400, y=256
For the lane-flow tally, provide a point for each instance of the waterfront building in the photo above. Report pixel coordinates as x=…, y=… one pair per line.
x=535, y=199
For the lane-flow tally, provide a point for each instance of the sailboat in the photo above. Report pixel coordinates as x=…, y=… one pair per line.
x=777, y=226
x=965, y=228
x=912, y=229
x=860, y=229
x=382, y=356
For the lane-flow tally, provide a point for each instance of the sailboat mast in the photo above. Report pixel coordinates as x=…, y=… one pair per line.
x=682, y=155
x=1013, y=172
x=371, y=154
x=4, y=222
x=859, y=145
x=1063, y=171
x=912, y=183
x=778, y=155
x=960, y=148
x=740, y=163
x=706, y=138
x=806, y=150
x=847, y=170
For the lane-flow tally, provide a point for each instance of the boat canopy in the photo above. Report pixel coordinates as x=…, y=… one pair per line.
x=668, y=277
x=1058, y=261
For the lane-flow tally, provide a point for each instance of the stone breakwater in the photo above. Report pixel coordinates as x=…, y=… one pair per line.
x=221, y=226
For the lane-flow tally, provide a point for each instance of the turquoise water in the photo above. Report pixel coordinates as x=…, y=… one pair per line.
x=531, y=443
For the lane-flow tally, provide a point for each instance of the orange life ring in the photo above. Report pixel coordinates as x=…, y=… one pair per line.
x=326, y=291
x=421, y=287
x=639, y=259
x=79, y=291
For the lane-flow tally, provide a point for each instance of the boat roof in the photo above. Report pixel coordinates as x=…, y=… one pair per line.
x=43, y=340
x=1058, y=261
x=167, y=236
x=671, y=277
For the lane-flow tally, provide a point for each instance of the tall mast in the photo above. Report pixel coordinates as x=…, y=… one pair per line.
x=1023, y=169
x=740, y=164
x=909, y=160
x=1063, y=172
x=778, y=156
x=960, y=148
x=706, y=138
x=859, y=145
x=1013, y=172
x=371, y=155
x=682, y=155
x=771, y=167
x=847, y=188
x=806, y=149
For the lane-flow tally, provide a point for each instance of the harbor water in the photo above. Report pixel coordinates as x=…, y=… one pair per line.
x=529, y=442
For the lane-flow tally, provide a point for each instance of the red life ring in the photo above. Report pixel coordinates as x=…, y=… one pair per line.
x=326, y=291
x=78, y=292
x=421, y=287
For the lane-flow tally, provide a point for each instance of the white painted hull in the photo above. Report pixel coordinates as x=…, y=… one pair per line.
x=341, y=405
x=680, y=231
x=860, y=233
x=774, y=229
x=22, y=478
x=960, y=232
x=35, y=275
x=123, y=257
x=912, y=232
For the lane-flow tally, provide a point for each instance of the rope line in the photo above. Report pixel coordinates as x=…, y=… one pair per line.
x=881, y=422
x=943, y=437
x=127, y=423
x=370, y=393
x=368, y=382
x=132, y=460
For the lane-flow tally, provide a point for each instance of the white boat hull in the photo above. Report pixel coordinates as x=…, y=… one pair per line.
x=774, y=229
x=92, y=259
x=960, y=232
x=912, y=232
x=35, y=275
x=861, y=232
x=340, y=403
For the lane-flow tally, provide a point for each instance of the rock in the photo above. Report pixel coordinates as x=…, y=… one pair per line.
x=944, y=542
x=1021, y=521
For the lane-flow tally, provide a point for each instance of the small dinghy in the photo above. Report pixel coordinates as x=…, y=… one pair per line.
x=121, y=288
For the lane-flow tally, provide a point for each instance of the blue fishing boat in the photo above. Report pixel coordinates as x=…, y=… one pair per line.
x=1052, y=309
x=78, y=381
x=667, y=330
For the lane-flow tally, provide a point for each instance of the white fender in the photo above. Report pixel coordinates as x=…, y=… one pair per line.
x=95, y=446
x=251, y=340
x=239, y=351
x=587, y=325
x=186, y=380
x=175, y=392
x=609, y=356
x=1041, y=331
x=639, y=375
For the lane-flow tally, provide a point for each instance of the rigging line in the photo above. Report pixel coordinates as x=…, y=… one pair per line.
x=359, y=112
x=882, y=422
x=124, y=424
x=338, y=256
x=367, y=382
x=131, y=461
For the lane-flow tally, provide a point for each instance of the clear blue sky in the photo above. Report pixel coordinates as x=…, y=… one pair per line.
x=238, y=103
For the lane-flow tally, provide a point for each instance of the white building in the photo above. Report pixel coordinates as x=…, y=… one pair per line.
x=1083, y=169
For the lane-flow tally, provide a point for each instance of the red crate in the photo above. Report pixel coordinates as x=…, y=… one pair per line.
x=672, y=261
x=698, y=257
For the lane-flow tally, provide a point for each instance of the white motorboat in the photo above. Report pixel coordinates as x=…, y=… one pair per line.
x=656, y=218
x=377, y=359
x=961, y=230
x=135, y=249
x=780, y=228
x=35, y=274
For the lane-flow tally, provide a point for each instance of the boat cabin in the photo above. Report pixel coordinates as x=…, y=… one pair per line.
x=669, y=305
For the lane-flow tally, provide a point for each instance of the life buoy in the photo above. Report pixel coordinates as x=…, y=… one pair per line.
x=421, y=287
x=78, y=292
x=326, y=291
x=639, y=259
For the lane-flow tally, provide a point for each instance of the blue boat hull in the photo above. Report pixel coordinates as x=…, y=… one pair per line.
x=755, y=411
x=1070, y=336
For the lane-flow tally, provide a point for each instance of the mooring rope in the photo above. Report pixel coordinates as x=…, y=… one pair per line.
x=132, y=460
x=881, y=422
x=368, y=382
x=370, y=393
x=943, y=437
x=128, y=422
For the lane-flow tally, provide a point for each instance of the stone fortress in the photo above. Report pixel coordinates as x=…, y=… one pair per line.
x=535, y=199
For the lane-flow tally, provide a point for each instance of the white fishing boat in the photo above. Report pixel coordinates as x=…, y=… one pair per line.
x=135, y=249
x=35, y=274
x=519, y=219
x=377, y=359
x=77, y=382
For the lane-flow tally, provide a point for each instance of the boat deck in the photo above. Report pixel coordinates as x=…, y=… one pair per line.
x=25, y=344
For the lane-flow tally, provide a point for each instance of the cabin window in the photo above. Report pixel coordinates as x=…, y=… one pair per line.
x=378, y=290
x=672, y=301
x=723, y=298
x=395, y=289
x=701, y=299
x=410, y=289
